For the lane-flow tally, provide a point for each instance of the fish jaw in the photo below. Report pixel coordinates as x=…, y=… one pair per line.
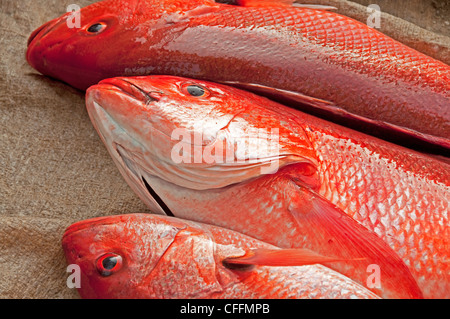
x=51, y=42
x=120, y=113
x=34, y=41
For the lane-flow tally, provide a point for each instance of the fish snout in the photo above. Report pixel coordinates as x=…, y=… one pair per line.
x=86, y=224
x=43, y=30
x=36, y=48
x=36, y=33
x=132, y=87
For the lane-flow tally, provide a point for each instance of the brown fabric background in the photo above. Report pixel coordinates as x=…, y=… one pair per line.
x=54, y=170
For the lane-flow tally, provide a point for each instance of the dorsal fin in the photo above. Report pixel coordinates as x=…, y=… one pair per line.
x=276, y=3
x=283, y=95
x=264, y=3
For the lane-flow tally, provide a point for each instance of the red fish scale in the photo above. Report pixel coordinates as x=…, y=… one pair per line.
x=350, y=38
x=405, y=208
x=284, y=283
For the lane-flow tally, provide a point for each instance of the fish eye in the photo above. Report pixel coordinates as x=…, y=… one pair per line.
x=109, y=264
x=96, y=28
x=195, y=90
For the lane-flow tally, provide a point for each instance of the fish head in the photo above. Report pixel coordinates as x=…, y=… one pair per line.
x=144, y=256
x=115, y=253
x=81, y=48
x=194, y=134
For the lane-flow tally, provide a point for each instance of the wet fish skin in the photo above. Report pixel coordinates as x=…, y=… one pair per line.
x=398, y=198
x=324, y=63
x=164, y=257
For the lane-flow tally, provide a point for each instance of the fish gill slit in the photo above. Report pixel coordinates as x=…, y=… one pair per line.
x=158, y=199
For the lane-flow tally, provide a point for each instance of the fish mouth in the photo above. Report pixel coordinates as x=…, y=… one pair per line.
x=43, y=30
x=36, y=33
x=34, y=47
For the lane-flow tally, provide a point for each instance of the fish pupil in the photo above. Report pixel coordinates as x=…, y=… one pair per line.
x=232, y=2
x=195, y=90
x=97, y=27
x=109, y=263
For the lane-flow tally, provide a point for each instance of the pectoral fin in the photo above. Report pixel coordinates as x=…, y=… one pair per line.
x=279, y=257
x=329, y=231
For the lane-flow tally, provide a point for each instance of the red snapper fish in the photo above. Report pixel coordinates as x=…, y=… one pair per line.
x=219, y=155
x=151, y=256
x=325, y=63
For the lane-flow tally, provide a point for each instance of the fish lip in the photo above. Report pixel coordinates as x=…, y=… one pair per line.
x=35, y=33
x=34, y=48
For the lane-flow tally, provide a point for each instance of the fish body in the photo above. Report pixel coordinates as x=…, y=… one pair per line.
x=153, y=256
x=313, y=184
x=320, y=61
